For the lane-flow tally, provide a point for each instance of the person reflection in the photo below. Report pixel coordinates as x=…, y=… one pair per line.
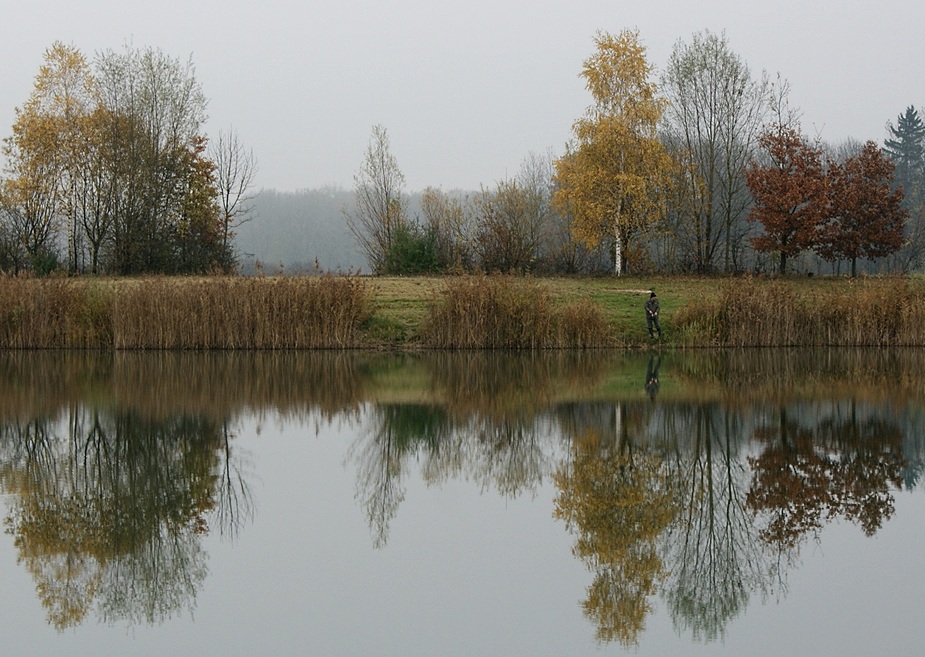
x=652, y=376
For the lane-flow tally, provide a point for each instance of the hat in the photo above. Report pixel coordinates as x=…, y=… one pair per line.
x=651, y=294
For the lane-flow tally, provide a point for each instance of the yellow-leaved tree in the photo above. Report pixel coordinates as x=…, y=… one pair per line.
x=614, y=172
x=46, y=162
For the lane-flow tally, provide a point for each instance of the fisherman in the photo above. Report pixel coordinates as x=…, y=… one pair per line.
x=652, y=316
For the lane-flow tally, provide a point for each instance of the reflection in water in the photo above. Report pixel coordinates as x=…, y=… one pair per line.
x=109, y=510
x=652, y=376
x=709, y=524
x=698, y=488
x=846, y=464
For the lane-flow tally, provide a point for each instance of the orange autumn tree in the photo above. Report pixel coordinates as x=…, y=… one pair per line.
x=789, y=193
x=865, y=217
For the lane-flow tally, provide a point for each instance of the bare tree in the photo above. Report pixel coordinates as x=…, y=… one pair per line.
x=714, y=115
x=381, y=204
x=235, y=168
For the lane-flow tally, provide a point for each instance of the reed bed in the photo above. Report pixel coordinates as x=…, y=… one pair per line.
x=168, y=313
x=55, y=313
x=235, y=313
x=502, y=312
x=758, y=313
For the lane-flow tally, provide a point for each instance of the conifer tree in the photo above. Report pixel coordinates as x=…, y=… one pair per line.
x=906, y=148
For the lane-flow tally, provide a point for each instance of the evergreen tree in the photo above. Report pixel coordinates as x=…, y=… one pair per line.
x=906, y=147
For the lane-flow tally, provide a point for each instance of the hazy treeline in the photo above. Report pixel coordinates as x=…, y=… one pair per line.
x=108, y=170
x=301, y=231
x=294, y=231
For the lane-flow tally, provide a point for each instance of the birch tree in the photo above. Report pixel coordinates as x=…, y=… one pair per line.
x=614, y=171
x=45, y=153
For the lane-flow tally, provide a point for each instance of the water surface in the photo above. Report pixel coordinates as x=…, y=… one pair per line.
x=762, y=502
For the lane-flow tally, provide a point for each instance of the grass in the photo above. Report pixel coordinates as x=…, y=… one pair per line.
x=328, y=312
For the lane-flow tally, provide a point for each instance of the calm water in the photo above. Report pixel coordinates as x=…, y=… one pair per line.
x=748, y=503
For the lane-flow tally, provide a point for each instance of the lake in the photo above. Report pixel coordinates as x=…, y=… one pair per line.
x=761, y=502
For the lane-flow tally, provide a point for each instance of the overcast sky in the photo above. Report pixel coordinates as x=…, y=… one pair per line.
x=466, y=90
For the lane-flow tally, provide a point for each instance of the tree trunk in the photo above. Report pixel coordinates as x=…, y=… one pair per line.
x=618, y=253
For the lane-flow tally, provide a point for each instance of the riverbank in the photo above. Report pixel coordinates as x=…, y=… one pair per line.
x=335, y=312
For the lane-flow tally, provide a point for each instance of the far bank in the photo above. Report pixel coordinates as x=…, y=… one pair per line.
x=455, y=312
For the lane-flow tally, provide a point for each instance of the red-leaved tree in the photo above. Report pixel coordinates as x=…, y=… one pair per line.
x=789, y=193
x=865, y=218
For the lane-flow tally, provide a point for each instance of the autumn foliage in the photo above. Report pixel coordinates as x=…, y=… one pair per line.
x=865, y=217
x=789, y=194
x=841, y=210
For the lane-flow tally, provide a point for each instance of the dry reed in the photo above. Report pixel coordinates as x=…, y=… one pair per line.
x=163, y=313
x=54, y=313
x=235, y=313
x=758, y=313
x=502, y=312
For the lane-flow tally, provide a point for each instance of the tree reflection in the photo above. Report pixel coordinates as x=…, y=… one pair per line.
x=805, y=476
x=618, y=503
x=654, y=480
x=109, y=510
x=507, y=454
x=716, y=560
x=397, y=431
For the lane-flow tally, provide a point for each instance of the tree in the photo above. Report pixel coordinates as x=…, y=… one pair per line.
x=865, y=216
x=906, y=148
x=789, y=193
x=44, y=152
x=449, y=219
x=95, y=191
x=713, y=116
x=381, y=205
x=155, y=109
x=513, y=219
x=201, y=239
x=235, y=169
x=612, y=175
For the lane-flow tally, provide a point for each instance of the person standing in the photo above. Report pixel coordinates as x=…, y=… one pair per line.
x=652, y=316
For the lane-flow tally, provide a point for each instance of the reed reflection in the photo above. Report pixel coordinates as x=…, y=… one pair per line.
x=691, y=479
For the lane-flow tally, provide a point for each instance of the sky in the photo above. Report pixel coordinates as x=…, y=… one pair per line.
x=465, y=90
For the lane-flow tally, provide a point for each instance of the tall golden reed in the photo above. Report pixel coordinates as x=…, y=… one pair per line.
x=241, y=313
x=54, y=313
x=749, y=312
x=504, y=312
x=177, y=313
